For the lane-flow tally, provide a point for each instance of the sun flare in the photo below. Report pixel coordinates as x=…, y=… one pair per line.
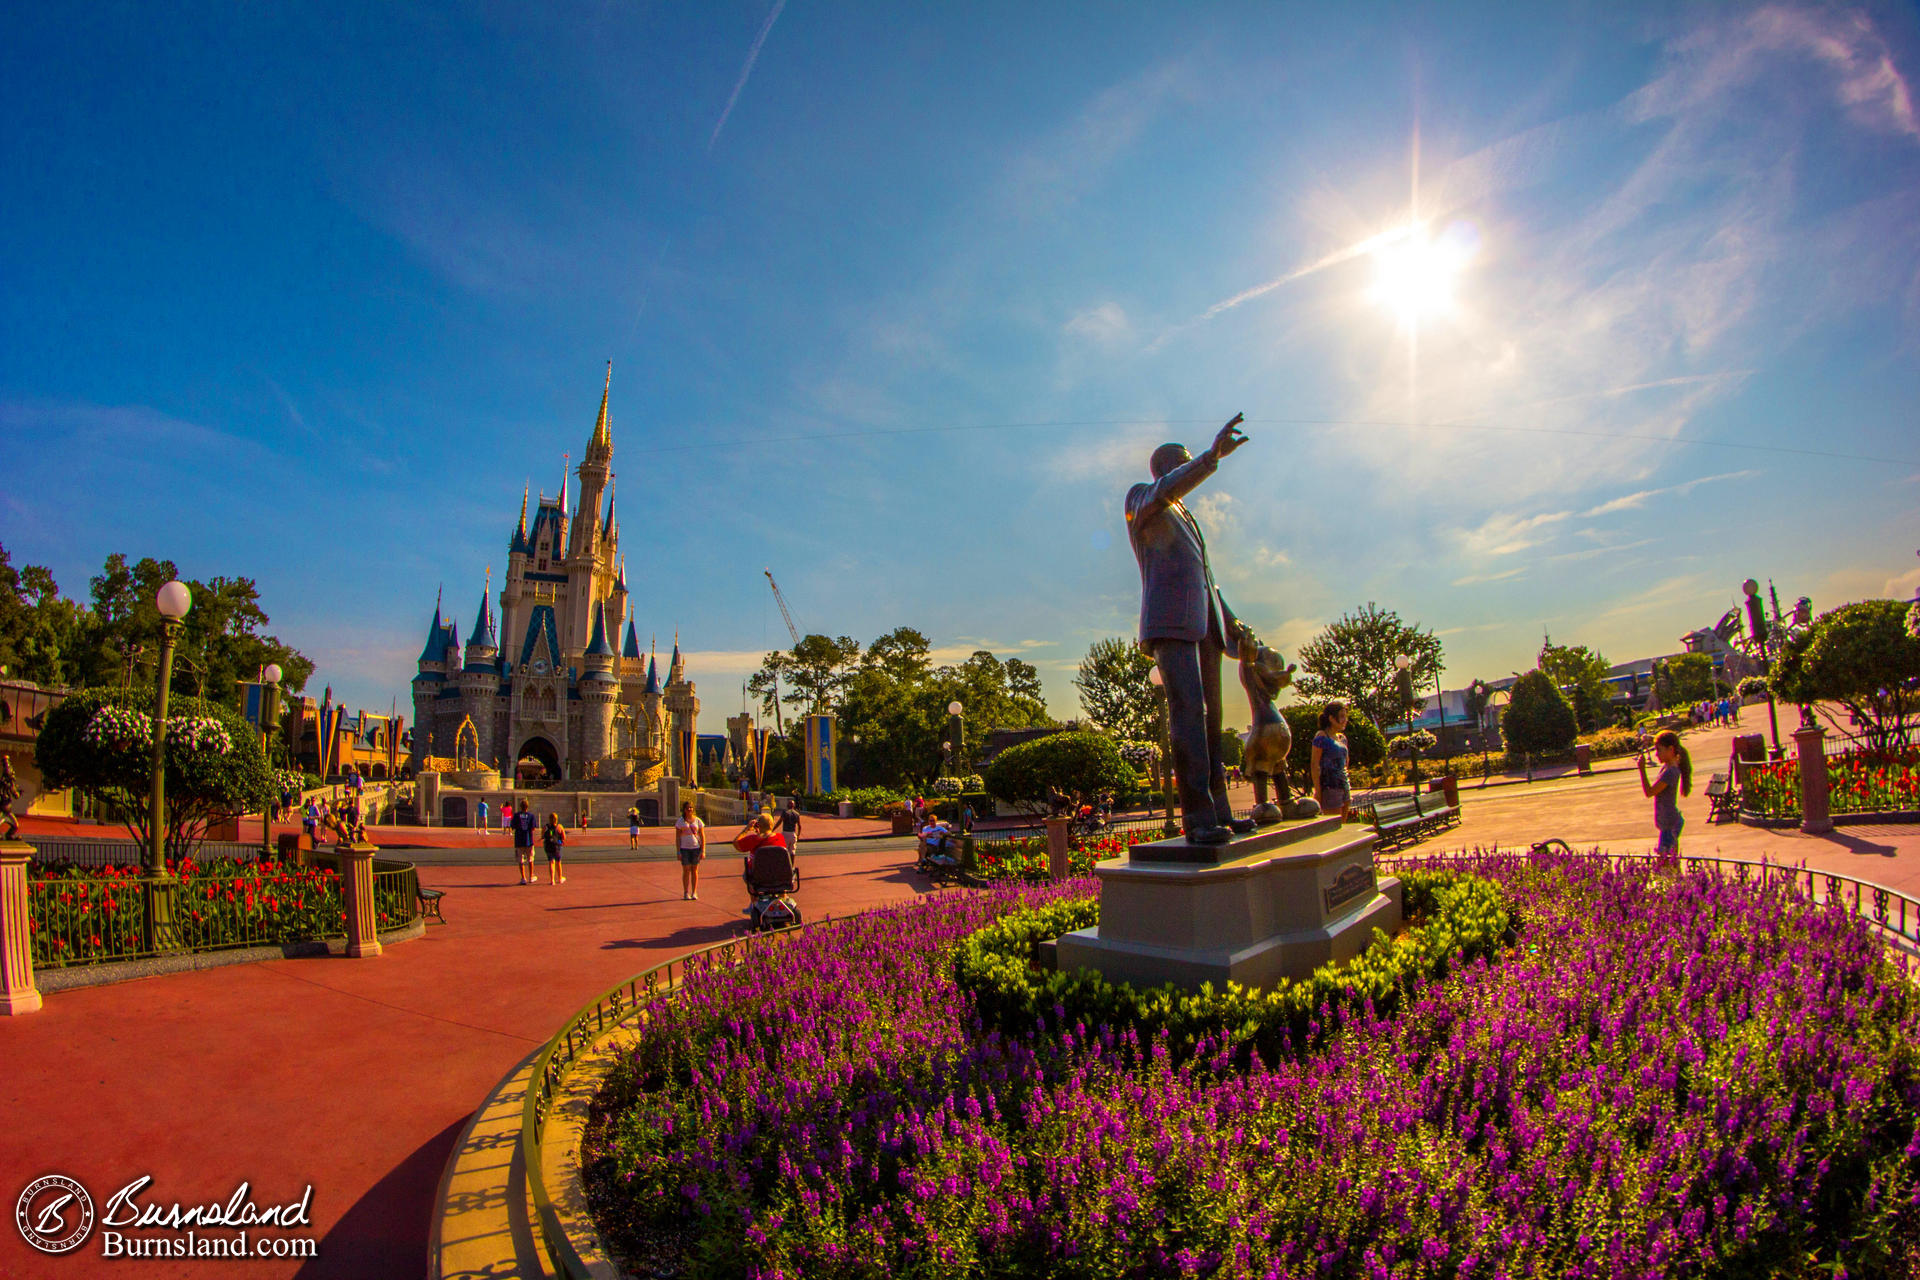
x=1415, y=274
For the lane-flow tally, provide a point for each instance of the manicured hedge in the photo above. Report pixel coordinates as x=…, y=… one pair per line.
x=1453, y=916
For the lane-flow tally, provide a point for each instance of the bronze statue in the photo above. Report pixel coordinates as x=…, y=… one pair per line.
x=1263, y=674
x=1181, y=625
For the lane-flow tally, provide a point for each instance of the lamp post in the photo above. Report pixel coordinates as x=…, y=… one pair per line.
x=172, y=600
x=269, y=720
x=956, y=736
x=1166, y=742
x=1477, y=692
x=1404, y=665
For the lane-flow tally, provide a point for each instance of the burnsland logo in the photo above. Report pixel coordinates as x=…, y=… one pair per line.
x=54, y=1214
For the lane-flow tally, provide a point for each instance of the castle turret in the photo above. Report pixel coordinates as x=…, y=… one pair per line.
x=480, y=676
x=435, y=664
x=683, y=718
x=598, y=691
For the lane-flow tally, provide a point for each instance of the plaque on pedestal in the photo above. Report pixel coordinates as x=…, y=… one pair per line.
x=1270, y=906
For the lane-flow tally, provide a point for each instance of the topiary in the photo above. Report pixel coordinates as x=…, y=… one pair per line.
x=1077, y=763
x=1753, y=687
x=1538, y=718
x=100, y=741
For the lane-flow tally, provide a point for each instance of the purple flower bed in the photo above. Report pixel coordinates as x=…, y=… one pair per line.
x=1668, y=1076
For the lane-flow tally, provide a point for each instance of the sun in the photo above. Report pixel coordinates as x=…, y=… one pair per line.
x=1415, y=274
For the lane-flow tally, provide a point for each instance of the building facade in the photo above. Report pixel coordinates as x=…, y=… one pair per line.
x=550, y=685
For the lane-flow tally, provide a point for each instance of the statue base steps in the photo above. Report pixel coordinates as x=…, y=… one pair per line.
x=1267, y=907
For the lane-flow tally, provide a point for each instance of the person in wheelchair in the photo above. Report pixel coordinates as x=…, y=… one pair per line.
x=770, y=866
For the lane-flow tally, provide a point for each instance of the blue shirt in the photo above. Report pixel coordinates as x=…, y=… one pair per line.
x=1333, y=760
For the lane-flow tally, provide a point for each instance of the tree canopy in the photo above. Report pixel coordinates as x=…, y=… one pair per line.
x=1538, y=719
x=54, y=641
x=1862, y=656
x=1685, y=678
x=1352, y=659
x=1582, y=674
x=1116, y=691
x=101, y=742
x=891, y=703
x=1366, y=745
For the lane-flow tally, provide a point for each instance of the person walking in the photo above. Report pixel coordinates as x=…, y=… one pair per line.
x=633, y=826
x=1674, y=780
x=481, y=813
x=790, y=824
x=1330, y=785
x=553, y=838
x=310, y=819
x=523, y=828
x=690, y=839
x=966, y=818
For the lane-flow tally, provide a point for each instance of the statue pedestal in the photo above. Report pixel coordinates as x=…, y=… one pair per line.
x=1274, y=905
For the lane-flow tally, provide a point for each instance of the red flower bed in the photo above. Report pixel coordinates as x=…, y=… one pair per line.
x=1857, y=782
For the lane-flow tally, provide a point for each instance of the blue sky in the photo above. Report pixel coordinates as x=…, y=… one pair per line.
x=899, y=298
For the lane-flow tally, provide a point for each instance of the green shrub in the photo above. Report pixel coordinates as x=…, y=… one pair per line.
x=1753, y=687
x=1610, y=743
x=1453, y=917
x=867, y=801
x=1538, y=719
x=1077, y=762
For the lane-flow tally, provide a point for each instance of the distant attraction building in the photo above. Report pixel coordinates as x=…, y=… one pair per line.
x=556, y=687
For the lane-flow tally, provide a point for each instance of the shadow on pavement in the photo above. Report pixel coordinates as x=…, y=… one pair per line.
x=385, y=1232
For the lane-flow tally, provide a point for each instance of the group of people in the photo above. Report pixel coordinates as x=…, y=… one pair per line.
x=524, y=824
x=320, y=819
x=1723, y=713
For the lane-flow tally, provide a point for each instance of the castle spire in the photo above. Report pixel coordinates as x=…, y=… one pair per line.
x=602, y=434
x=483, y=633
x=565, y=464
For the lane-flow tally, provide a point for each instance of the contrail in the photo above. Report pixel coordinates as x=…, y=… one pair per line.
x=1333, y=259
x=753, y=55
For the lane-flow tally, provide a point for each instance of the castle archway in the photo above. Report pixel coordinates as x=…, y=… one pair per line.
x=537, y=759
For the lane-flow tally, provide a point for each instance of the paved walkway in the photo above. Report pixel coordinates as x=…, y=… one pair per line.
x=352, y=1075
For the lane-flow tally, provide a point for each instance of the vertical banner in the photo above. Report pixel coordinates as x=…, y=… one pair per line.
x=820, y=746
x=394, y=724
x=689, y=758
x=758, y=737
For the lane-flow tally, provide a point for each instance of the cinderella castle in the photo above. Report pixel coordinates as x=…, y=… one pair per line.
x=555, y=685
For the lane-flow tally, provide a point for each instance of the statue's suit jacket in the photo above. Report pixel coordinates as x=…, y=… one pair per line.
x=1178, y=600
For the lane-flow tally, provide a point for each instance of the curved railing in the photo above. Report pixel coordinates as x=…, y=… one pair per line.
x=1890, y=911
x=556, y=1061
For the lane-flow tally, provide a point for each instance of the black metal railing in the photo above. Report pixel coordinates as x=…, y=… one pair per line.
x=78, y=918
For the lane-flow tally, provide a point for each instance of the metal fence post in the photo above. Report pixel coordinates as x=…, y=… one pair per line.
x=18, y=994
x=356, y=891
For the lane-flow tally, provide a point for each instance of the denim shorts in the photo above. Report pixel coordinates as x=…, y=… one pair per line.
x=1333, y=799
x=1669, y=841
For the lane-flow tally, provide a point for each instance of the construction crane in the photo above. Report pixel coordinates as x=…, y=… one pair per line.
x=793, y=631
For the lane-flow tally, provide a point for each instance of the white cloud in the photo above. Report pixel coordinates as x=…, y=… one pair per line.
x=1505, y=575
x=1903, y=586
x=1631, y=501
x=1106, y=324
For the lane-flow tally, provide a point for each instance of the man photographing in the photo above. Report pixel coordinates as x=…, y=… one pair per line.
x=1182, y=626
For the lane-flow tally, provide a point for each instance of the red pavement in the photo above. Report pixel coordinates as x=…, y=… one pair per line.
x=352, y=1075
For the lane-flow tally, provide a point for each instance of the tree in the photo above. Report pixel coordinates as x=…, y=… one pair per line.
x=815, y=671
x=1581, y=673
x=100, y=741
x=1685, y=678
x=1078, y=763
x=1232, y=749
x=1862, y=656
x=1116, y=690
x=1539, y=719
x=1352, y=659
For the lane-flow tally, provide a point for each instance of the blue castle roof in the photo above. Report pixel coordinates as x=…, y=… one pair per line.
x=631, y=649
x=598, y=646
x=653, y=676
x=483, y=633
x=538, y=622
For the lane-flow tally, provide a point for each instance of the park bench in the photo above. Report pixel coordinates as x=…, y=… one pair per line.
x=1401, y=821
x=1721, y=801
x=430, y=902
